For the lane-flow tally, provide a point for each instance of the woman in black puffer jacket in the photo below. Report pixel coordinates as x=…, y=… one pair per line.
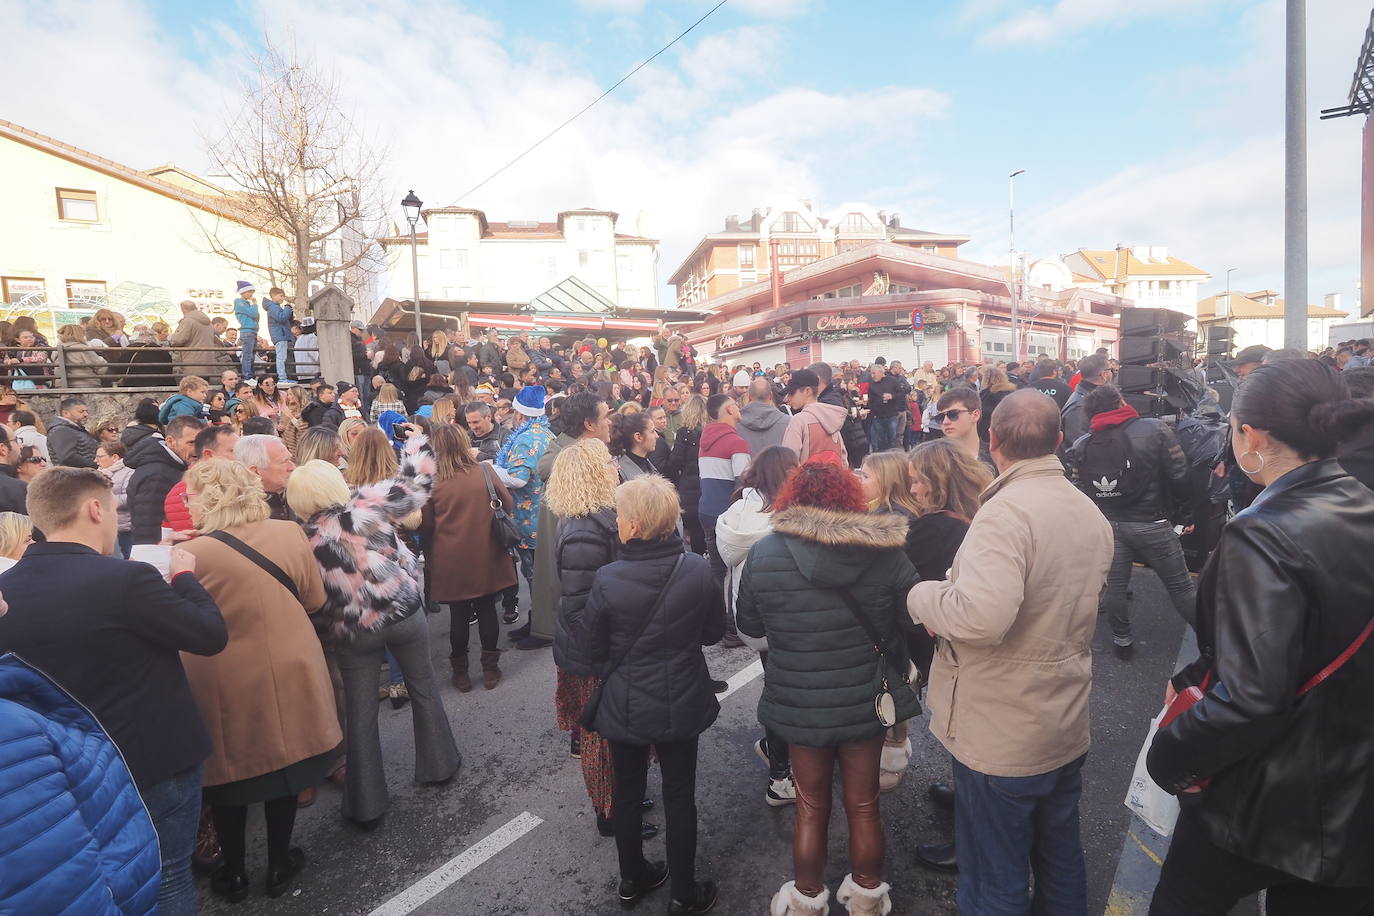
x=685, y=472
x=657, y=692
x=581, y=493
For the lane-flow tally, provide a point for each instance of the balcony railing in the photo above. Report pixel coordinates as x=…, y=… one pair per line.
x=72, y=368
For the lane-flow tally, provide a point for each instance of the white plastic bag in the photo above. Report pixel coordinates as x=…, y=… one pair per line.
x=1157, y=808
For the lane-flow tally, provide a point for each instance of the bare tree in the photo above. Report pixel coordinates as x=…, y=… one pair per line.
x=303, y=172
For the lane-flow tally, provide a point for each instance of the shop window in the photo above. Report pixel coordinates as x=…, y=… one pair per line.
x=16, y=288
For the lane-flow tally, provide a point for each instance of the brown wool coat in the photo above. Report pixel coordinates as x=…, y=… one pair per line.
x=456, y=524
x=266, y=700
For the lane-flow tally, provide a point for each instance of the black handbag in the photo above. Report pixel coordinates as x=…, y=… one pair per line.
x=884, y=705
x=503, y=528
x=587, y=718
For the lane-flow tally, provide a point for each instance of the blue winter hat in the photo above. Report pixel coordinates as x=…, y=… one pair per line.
x=245, y=286
x=529, y=401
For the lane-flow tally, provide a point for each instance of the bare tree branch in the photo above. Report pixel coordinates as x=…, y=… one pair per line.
x=304, y=173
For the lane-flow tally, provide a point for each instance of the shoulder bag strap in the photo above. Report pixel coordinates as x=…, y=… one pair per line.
x=879, y=644
x=644, y=623
x=1339, y=660
x=266, y=565
x=491, y=491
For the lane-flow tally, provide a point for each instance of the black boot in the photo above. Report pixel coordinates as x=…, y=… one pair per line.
x=652, y=878
x=940, y=857
x=702, y=898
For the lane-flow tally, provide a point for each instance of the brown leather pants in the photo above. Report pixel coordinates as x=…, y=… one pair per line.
x=812, y=771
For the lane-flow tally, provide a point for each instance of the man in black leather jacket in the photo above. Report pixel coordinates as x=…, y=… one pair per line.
x=1136, y=500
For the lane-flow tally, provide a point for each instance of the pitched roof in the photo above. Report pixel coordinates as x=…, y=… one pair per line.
x=234, y=206
x=1254, y=305
x=1119, y=263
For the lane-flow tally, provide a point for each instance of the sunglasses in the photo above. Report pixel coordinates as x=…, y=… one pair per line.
x=35, y=460
x=951, y=415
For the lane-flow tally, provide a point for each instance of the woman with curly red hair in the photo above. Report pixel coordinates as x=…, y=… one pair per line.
x=827, y=589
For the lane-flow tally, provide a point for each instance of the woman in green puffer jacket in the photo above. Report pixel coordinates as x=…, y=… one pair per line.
x=823, y=673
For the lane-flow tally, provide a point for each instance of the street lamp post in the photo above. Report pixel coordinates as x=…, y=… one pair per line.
x=1229, y=271
x=1011, y=239
x=411, y=204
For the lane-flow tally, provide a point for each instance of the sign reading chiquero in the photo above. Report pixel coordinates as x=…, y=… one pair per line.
x=778, y=331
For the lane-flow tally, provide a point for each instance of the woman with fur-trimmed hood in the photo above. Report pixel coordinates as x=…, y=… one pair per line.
x=581, y=493
x=823, y=674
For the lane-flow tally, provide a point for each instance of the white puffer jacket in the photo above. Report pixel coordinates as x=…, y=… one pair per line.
x=739, y=528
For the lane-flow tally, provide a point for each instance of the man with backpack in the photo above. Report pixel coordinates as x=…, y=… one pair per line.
x=1133, y=468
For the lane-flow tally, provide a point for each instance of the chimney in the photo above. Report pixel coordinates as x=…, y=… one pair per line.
x=732, y=223
x=756, y=220
x=895, y=222
x=882, y=217
x=805, y=203
x=1333, y=301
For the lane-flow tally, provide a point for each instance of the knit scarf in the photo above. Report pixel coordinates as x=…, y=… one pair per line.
x=529, y=423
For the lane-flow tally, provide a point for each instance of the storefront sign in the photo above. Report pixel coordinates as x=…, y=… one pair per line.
x=761, y=335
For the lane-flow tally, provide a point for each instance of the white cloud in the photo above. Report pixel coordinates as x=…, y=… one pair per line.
x=1046, y=23
x=613, y=6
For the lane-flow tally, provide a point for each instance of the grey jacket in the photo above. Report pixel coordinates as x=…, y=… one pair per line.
x=761, y=425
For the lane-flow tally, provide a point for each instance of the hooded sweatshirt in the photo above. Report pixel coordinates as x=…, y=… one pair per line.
x=179, y=405
x=723, y=458
x=761, y=425
x=815, y=429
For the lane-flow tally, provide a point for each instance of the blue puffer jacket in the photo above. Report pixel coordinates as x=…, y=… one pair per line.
x=76, y=837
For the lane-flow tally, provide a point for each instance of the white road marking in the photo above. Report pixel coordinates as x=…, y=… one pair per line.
x=461, y=865
x=742, y=677
x=455, y=869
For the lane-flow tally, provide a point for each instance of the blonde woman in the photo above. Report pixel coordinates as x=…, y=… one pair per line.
x=371, y=458
x=443, y=411
x=373, y=602
x=291, y=424
x=16, y=534
x=388, y=398
x=319, y=443
x=685, y=472
x=581, y=493
x=266, y=699
x=349, y=430
x=996, y=386
x=85, y=366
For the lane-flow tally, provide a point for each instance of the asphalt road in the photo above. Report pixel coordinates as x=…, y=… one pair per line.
x=519, y=787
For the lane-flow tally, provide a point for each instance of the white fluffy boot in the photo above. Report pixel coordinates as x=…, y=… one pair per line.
x=892, y=767
x=789, y=901
x=863, y=901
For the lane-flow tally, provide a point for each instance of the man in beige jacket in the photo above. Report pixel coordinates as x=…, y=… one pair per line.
x=1010, y=682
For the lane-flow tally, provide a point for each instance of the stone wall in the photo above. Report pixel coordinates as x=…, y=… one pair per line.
x=118, y=403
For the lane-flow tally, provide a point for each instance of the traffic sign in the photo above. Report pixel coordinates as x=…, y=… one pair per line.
x=918, y=319
x=918, y=338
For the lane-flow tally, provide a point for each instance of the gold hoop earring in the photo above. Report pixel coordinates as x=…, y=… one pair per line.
x=1247, y=470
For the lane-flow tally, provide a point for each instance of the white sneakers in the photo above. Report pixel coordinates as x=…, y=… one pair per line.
x=781, y=792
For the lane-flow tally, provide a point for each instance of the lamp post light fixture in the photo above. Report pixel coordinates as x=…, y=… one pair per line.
x=1011, y=239
x=411, y=204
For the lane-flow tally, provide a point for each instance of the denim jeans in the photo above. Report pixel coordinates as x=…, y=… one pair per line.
x=883, y=433
x=393, y=669
x=1011, y=826
x=282, y=347
x=247, y=344
x=1155, y=545
x=174, y=805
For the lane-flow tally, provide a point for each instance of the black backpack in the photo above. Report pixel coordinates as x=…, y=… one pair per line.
x=1109, y=470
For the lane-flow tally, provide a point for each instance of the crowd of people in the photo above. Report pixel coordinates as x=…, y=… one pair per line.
x=881, y=536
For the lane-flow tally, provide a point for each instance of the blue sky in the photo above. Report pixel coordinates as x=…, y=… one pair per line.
x=1138, y=121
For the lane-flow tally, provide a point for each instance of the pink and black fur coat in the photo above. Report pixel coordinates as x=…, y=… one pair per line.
x=370, y=576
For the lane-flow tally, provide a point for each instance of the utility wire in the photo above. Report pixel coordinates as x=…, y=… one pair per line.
x=590, y=105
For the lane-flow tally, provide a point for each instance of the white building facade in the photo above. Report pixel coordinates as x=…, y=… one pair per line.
x=1146, y=274
x=82, y=232
x=1258, y=318
x=464, y=257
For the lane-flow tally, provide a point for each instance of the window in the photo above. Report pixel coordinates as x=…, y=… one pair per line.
x=930, y=249
x=85, y=291
x=446, y=259
x=996, y=342
x=16, y=288
x=584, y=258
x=1042, y=344
x=461, y=259
x=852, y=290
x=856, y=222
x=746, y=257
x=1079, y=347
x=792, y=222
x=580, y=224
x=77, y=206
